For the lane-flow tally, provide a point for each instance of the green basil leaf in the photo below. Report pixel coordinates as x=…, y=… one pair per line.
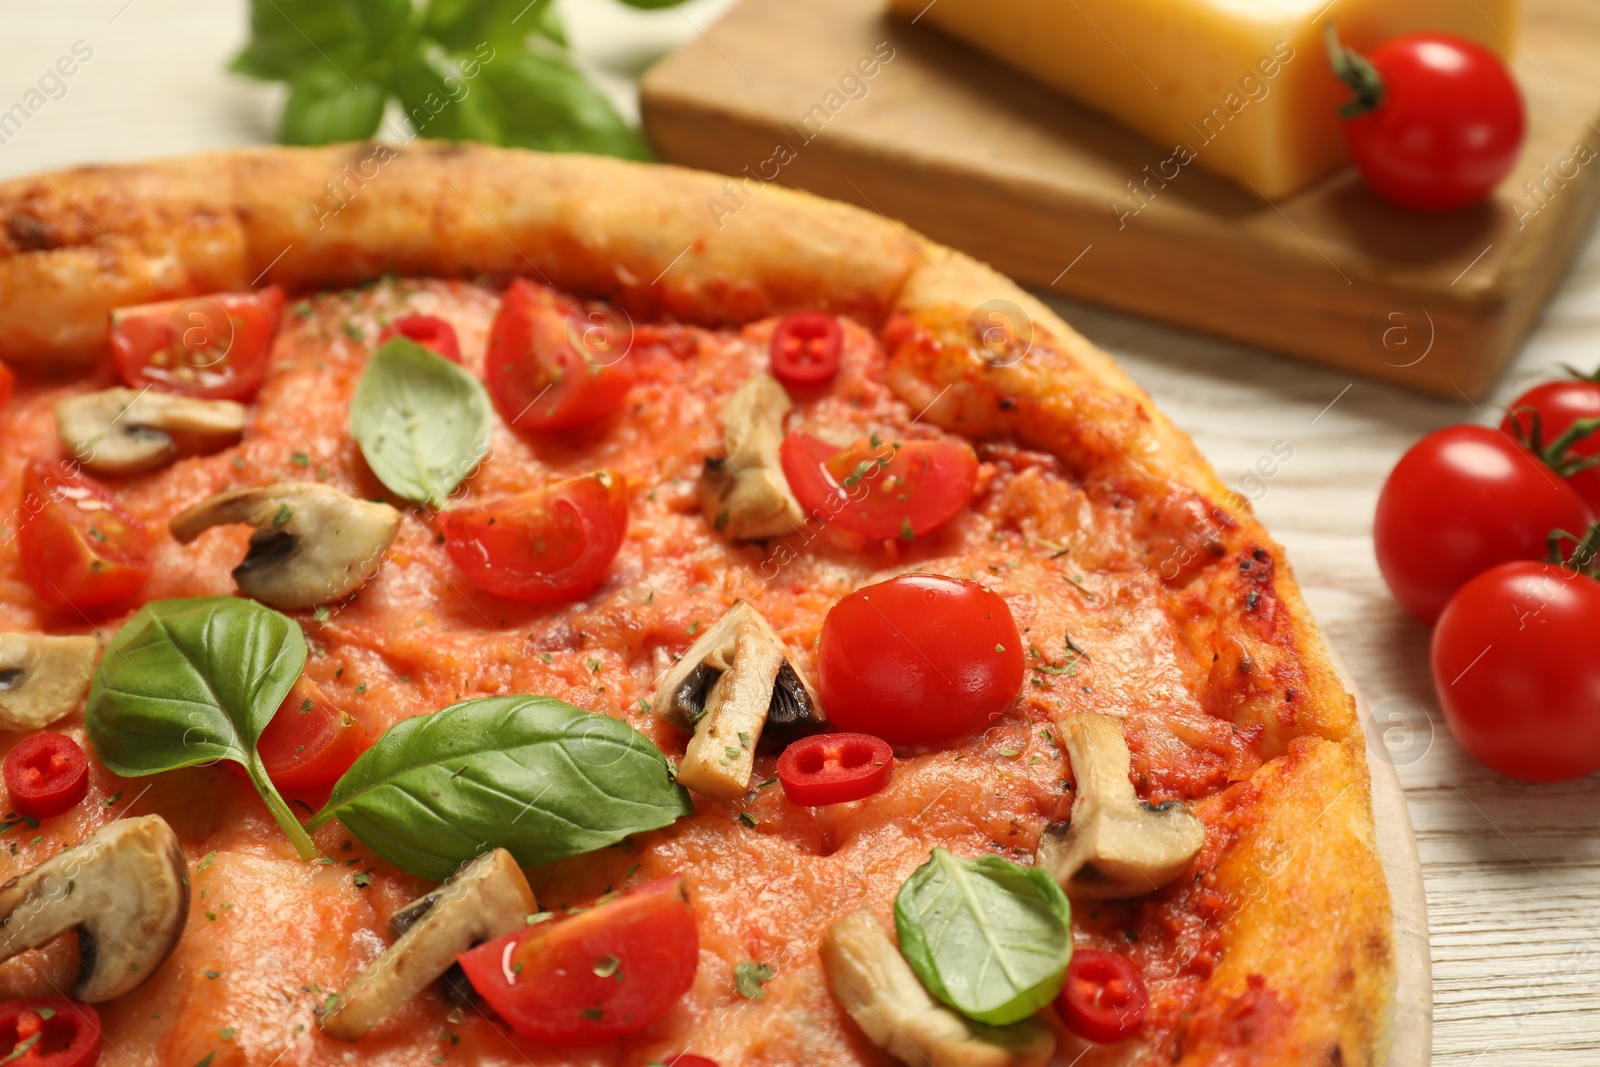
x=289, y=37
x=462, y=25
x=187, y=682
x=988, y=937
x=443, y=104
x=323, y=107
x=546, y=104
x=421, y=421
x=529, y=774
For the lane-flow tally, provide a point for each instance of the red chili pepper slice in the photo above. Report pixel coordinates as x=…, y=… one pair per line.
x=429, y=331
x=834, y=768
x=47, y=774
x=1104, y=999
x=805, y=348
x=49, y=1032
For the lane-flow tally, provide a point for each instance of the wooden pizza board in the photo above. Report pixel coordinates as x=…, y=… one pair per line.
x=989, y=162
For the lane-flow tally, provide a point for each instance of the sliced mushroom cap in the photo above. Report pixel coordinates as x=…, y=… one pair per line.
x=743, y=492
x=313, y=544
x=1116, y=844
x=487, y=898
x=125, y=889
x=735, y=682
x=42, y=678
x=124, y=431
x=877, y=987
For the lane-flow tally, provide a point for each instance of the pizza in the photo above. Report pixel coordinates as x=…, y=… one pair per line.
x=469, y=605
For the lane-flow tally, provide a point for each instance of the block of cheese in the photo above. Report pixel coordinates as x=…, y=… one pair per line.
x=1241, y=87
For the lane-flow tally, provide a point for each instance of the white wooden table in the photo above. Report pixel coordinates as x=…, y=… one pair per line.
x=1512, y=871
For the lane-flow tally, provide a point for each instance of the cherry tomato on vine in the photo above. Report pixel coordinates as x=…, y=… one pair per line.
x=549, y=367
x=918, y=659
x=46, y=774
x=834, y=768
x=309, y=742
x=1437, y=121
x=1104, y=998
x=544, y=546
x=596, y=975
x=78, y=546
x=1561, y=421
x=429, y=331
x=805, y=349
x=1516, y=674
x=1462, y=500
x=49, y=1032
x=881, y=489
x=213, y=347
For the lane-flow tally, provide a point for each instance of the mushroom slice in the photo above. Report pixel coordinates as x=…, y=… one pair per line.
x=732, y=683
x=125, y=889
x=42, y=678
x=123, y=431
x=1116, y=844
x=877, y=987
x=743, y=492
x=487, y=898
x=313, y=544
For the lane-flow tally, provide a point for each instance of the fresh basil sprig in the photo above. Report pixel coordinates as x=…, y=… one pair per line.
x=988, y=937
x=484, y=70
x=529, y=774
x=421, y=421
x=188, y=682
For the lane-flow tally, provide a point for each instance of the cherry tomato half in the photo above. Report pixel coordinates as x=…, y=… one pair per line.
x=1445, y=126
x=309, y=742
x=1514, y=667
x=919, y=658
x=1104, y=998
x=596, y=975
x=881, y=489
x=46, y=775
x=214, y=347
x=544, y=546
x=834, y=768
x=1547, y=413
x=429, y=331
x=549, y=367
x=78, y=546
x=805, y=349
x=1462, y=500
x=49, y=1032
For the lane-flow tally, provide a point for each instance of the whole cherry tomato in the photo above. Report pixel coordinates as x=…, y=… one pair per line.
x=596, y=975
x=1104, y=998
x=1561, y=421
x=918, y=659
x=429, y=331
x=881, y=489
x=1462, y=500
x=1437, y=121
x=833, y=768
x=805, y=349
x=552, y=367
x=214, y=347
x=544, y=546
x=1516, y=673
x=46, y=774
x=309, y=742
x=78, y=546
x=49, y=1032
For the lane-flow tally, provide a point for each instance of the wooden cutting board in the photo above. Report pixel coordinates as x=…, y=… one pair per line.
x=983, y=159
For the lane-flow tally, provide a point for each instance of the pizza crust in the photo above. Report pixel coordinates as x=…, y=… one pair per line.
x=1317, y=936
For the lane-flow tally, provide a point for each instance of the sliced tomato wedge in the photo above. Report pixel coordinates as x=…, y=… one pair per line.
x=309, y=742
x=805, y=349
x=214, y=347
x=78, y=546
x=1104, y=998
x=549, y=367
x=544, y=546
x=46, y=774
x=834, y=768
x=599, y=974
x=49, y=1032
x=881, y=489
x=429, y=331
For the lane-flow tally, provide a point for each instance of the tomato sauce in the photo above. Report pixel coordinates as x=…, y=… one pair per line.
x=269, y=937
